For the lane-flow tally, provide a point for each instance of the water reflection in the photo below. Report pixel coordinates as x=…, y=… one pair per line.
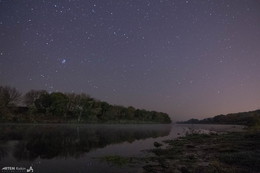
x=28, y=142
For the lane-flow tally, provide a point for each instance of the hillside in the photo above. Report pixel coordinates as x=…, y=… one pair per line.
x=243, y=118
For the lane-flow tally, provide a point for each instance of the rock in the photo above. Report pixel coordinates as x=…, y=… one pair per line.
x=184, y=170
x=190, y=146
x=157, y=144
x=191, y=157
x=203, y=164
x=153, y=168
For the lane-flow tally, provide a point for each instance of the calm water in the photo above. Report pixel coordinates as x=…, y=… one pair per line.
x=73, y=148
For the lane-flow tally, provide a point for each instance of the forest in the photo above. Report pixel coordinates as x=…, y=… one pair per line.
x=40, y=106
x=250, y=118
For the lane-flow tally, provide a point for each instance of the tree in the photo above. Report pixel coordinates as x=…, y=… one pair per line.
x=31, y=96
x=9, y=96
x=130, y=113
x=78, y=105
x=59, y=102
x=43, y=103
x=54, y=103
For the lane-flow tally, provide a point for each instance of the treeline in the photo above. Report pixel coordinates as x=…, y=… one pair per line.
x=251, y=118
x=42, y=106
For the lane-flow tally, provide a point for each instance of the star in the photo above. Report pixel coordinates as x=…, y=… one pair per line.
x=63, y=61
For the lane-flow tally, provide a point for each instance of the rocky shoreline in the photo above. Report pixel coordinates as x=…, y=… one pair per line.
x=225, y=152
x=205, y=153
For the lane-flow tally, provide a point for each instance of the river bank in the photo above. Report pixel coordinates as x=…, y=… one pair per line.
x=228, y=152
x=225, y=152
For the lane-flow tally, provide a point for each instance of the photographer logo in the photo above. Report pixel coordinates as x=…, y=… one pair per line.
x=16, y=169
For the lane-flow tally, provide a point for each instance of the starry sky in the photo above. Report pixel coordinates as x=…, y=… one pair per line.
x=188, y=58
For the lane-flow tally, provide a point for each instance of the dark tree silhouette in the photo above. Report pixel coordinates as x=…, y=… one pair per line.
x=9, y=96
x=59, y=107
x=31, y=96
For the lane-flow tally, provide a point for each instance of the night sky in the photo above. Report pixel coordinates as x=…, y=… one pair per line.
x=188, y=58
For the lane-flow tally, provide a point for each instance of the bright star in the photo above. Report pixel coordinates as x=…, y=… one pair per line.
x=63, y=61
